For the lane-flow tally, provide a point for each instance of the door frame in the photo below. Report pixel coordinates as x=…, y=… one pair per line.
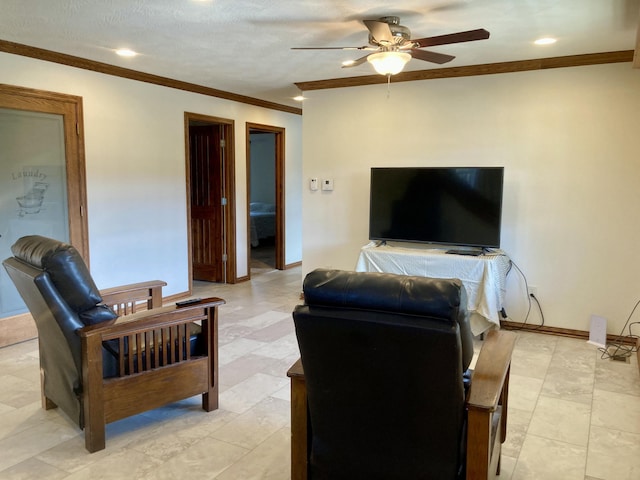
x=21, y=327
x=228, y=182
x=279, y=189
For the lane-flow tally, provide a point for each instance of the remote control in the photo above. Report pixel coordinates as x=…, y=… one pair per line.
x=184, y=303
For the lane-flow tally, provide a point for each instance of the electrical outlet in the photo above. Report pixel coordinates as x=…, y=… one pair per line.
x=533, y=291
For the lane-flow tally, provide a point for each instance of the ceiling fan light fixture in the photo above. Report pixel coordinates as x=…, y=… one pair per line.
x=388, y=63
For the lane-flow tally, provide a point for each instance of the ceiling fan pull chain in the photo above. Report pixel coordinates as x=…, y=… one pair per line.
x=388, y=85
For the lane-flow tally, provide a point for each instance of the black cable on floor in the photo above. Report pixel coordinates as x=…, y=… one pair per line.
x=622, y=350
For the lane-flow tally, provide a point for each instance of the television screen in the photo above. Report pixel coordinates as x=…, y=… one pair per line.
x=443, y=205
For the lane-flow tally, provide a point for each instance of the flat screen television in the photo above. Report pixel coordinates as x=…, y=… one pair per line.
x=441, y=205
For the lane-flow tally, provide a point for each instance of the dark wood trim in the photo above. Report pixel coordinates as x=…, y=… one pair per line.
x=279, y=188
x=292, y=265
x=280, y=195
x=636, y=62
x=563, y=332
x=473, y=70
x=230, y=190
x=187, y=180
x=107, y=69
x=76, y=178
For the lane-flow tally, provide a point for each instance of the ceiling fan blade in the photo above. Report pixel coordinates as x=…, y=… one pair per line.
x=357, y=62
x=468, y=36
x=380, y=31
x=432, y=57
x=330, y=48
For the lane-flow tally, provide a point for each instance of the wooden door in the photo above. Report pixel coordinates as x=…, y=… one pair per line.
x=207, y=200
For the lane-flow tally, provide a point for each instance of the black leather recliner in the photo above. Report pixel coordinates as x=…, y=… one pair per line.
x=383, y=362
x=98, y=367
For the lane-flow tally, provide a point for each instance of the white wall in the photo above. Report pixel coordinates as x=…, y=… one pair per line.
x=135, y=163
x=568, y=139
x=263, y=167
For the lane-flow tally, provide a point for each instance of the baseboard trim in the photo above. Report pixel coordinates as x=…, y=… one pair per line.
x=16, y=329
x=564, y=332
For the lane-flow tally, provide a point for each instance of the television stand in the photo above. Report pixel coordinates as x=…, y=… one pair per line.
x=483, y=276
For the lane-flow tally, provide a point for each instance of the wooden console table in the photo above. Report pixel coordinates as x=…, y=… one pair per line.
x=483, y=276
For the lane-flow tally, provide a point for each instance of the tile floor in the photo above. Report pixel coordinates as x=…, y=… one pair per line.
x=572, y=415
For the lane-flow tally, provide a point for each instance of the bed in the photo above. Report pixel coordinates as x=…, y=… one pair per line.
x=262, y=217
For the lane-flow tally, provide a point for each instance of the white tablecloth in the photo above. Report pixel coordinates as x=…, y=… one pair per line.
x=483, y=276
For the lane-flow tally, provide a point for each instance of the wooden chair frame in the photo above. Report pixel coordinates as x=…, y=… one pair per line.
x=148, y=377
x=488, y=396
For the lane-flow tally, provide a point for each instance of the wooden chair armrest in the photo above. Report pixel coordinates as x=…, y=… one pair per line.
x=299, y=423
x=487, y=406
x=491, y=371
x=125, y=298
x=148, y=320
x=296, y=370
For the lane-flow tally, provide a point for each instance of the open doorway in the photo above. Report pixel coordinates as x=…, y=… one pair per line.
x=265, y=197
x=210, y=198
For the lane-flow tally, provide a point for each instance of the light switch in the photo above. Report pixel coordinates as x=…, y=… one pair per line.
x=327, y=184
x=313, y=184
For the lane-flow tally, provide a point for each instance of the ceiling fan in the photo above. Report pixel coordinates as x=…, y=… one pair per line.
x=393, y=46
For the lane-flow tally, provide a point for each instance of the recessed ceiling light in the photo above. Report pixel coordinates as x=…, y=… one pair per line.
x=125, y=52
x=545, y=41
x=299, y=98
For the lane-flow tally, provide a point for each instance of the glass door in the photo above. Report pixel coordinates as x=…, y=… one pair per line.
x=33, y=190
x=42, y=185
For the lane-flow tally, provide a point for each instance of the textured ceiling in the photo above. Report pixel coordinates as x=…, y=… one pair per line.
x=243, y=46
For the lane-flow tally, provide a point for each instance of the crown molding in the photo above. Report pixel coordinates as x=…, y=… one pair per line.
x=437, y=73
x=83, y=63
x=472, y=70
